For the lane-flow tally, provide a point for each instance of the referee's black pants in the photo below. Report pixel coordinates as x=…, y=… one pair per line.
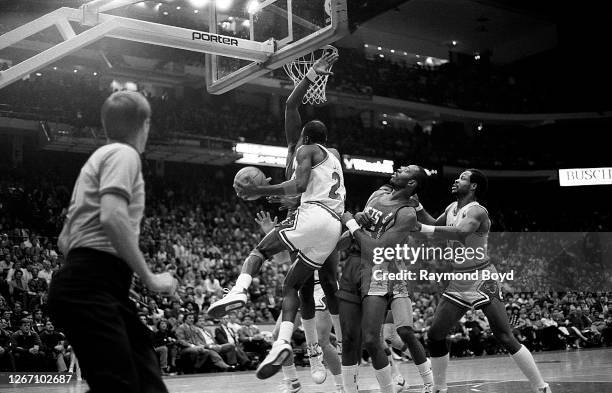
x=89, y=300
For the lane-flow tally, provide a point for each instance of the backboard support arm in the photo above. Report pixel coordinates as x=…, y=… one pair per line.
x=123, y=28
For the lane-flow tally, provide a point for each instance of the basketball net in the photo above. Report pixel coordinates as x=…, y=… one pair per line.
x=297, y=69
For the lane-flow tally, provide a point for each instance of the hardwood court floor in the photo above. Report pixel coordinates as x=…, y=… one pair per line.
x=582, y=371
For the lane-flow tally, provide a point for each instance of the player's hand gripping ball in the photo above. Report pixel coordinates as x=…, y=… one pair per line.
x=246, y=182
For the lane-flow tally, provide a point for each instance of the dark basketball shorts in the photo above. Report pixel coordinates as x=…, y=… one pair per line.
x=350, y=281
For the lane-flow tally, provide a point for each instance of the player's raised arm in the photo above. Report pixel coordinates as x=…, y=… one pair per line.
x=474, y=218
x=304, y=158
x=404, y=223
x=293, y=121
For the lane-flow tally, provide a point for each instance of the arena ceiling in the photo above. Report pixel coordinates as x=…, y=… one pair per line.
x=429, y=27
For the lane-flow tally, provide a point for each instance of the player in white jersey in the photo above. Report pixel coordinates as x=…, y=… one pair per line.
x=323, y=326
x=272, y=243
x=315, y=231
x=466, y=224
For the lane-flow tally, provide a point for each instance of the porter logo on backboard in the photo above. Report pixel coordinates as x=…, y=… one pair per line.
x=585, y=176
x=197, y=35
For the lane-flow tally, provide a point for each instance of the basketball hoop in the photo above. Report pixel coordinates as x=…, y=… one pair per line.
x=297, y=69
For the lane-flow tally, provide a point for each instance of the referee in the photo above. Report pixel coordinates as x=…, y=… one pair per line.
x=89, y=295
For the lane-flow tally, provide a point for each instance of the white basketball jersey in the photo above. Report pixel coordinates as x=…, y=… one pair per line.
x=476, y=240
x=326, y=185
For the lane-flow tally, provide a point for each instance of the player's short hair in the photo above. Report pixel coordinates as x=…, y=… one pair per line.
x=123, y=114
x=481, y=181
x=316, y=131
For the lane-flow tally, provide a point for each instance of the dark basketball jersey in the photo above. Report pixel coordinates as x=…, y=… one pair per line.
x=383, y=212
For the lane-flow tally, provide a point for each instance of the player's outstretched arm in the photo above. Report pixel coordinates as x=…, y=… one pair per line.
x=404, y=223
x=474, y=218
x=424, y=217
x=304, y=157
x=293, y=121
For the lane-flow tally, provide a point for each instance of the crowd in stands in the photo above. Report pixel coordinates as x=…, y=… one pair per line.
x=75, y=100
x=203, y=236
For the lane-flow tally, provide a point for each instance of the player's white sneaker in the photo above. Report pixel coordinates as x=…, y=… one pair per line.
x=545, y=389
x=234, y=299
x=427, y=388
x=291, y=386
x=280, y=351
x=317, y=369
x=399, y=383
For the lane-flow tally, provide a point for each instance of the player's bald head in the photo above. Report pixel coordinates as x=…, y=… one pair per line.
x=420, y=175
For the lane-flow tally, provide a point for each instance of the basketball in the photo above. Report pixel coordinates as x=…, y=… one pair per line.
x=254, y=174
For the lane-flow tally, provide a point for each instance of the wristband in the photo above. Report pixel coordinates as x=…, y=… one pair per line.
x=419, y=208
x=312, y=75
x=427, y=228
x=352, y=226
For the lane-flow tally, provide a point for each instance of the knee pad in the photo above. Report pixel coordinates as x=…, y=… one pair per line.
x=437, y=348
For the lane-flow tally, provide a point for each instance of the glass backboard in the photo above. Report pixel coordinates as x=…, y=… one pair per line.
x=296, y=27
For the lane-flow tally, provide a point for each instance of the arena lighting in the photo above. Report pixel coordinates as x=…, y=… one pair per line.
x=95, y=74
x=165, y=12
x=454, y=43
x=367, y=165
x=379, y=48
x=223, y=5
x=392, y=50
x=54, y=68
x=38, y=74
x=585, y=177
x=198, y=3
x=178, y=7
x=264, y=155
x=365, y=45
x=253, y=7
x=195, y=11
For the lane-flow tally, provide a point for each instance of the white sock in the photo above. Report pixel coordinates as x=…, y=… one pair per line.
x=337, y=327
x=338, y=381
x=524, y=360
x=385, y=380
x=394, y=369
x=349, y=378
x=286, y=331
x=243, y=282
x=438, y=368
x=290, y=372
x=425, y=371
x=310, y=331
